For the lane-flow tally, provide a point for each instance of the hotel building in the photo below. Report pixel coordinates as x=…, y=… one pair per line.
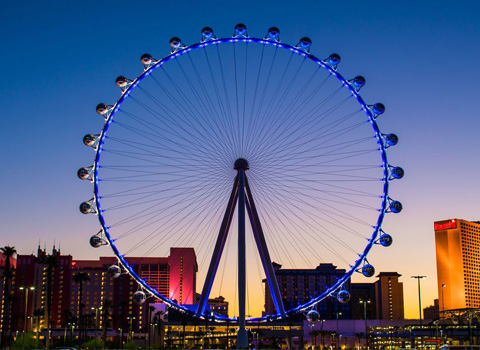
x=389, y=296
x=457, y=245
x=297, y=286
x=173, y=276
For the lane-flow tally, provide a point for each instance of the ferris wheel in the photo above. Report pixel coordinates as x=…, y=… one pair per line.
x=250, y=151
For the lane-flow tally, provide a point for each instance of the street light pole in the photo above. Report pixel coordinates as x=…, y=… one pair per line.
x=26, y=289
x=365, y=302
x=322, y=338
x=131, y=318
x=443, y=301
x=418, y=278
x=338, y=331
x=443, y=306
x=96, y=320
x=121, y=338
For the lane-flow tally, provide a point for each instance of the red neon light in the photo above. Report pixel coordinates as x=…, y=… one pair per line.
x=448, y=225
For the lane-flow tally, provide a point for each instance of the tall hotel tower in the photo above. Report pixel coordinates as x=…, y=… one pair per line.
x=458, y=263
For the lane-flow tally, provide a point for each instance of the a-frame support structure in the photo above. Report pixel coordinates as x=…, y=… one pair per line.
x=242, y=195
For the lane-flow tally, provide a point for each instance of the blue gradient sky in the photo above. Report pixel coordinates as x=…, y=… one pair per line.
x=420, y=59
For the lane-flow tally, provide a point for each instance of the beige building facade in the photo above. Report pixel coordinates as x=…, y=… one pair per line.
x=457, y=245
x=389, y=296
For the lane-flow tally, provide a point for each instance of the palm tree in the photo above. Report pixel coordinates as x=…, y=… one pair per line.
x=314, y=334
x=359, y=336
x=107, y=305
x=184, y=324
x=161, y=331
x=37, y=313
x=195, y=323
x=323, y=336
x=8, y=252
x=80, y=278
x=212, y=330
x=52, y=263
x=67, y=317
x=151, y=309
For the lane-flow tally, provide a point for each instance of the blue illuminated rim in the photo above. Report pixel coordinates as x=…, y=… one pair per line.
x=382, y=149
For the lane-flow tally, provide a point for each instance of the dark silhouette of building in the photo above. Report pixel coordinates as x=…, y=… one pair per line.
x=173, y=276
x=297, y=286
x=389, y=296
x=431, y=312
x=10, y=298
x=217, y=305
x=363, y=302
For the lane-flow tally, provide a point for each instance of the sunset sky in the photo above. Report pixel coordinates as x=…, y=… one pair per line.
x=420, y=59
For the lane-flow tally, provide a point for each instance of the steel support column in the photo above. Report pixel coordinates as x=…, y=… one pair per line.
x=217, y=252
x=263, y=251
x=242, y=336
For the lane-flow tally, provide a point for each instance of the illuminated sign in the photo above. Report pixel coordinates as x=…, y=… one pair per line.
x=448, y=225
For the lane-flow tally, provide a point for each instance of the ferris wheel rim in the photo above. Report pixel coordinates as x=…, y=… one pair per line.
x=125, y=94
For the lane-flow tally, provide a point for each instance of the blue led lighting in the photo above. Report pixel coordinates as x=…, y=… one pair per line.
x=371, y=117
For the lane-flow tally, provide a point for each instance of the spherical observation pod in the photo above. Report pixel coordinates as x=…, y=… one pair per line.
x=396, y=207
x=240, y=29
x=139, y=297
x=102, y=108
x=86, y=208
x=83, y=173
x=207, y=34
x=96, y=241
x=175, y=43
x=343, y=296
x=397, y=172
x=146, y=59
x=121, y=81
x=114, y=271
x=89, y=140
x=333, y=60
x=313, y=316
x=391, y=139
x=358, y=82
x=368, y=270
x=305, y=44
x=378, y=108
x=386, y=240
x=273, y=33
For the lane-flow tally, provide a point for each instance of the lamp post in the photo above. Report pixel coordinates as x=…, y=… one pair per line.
x=96, y=319
x=26, y=289
x=65, y=332
x=418, y=278
x=31, y=321
x=365, y=302
x=338, y=331
x=322, y=336
x=121, y=338
x=443, y=301
x=443, y=308
x=131, y=318
x=311, y=325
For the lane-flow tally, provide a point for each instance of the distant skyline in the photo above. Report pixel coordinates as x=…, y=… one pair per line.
x=420, y=59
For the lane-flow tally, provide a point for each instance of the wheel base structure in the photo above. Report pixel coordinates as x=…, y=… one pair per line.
x=242, y=339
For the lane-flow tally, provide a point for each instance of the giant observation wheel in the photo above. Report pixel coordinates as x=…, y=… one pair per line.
x=250, y=151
